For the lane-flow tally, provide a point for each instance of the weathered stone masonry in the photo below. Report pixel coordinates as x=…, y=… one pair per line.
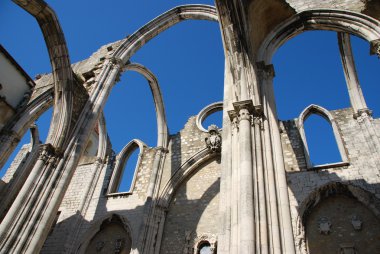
x=248, y=187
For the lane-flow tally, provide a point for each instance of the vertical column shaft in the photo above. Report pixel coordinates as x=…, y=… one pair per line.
x=246, y=208
x=287, y=240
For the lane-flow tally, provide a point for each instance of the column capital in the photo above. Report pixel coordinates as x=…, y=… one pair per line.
x=254, y=110
x=48, y=153
x=245, y=110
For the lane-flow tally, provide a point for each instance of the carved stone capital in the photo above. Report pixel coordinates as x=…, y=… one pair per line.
x=48, y=153
x=375, y=47
x=244, y=114
x=245, y=110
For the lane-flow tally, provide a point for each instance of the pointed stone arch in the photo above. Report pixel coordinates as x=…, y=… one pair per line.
x=121, y=160
x=96, y=227
x=162, y=128
x=324, y=192
x=182, y=173
x=344, y=21
x=325, y=114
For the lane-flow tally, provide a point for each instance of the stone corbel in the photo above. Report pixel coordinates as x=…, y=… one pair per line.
x=375, y=48
x=265, y=70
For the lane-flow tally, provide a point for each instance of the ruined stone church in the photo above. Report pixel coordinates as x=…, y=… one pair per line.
x=248, y=187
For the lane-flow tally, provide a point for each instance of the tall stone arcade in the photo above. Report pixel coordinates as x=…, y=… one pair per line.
x=246, y=188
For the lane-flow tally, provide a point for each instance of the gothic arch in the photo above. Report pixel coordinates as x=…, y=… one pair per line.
x=121, y=160
x=366, y=198
x=61, y=69
x=324, y=113
x=96, y=227
x=161, y=23
x=113, y=67
x=162, y=128
x=355, y=23
x=181, y=174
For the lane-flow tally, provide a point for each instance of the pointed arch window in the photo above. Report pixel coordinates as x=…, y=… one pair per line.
x=326, y=116
x=120, y=166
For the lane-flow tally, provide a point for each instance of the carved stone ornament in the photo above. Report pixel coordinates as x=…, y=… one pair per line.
x=324, y=226
x=214, y=140
x=119, y=245
x=356, y=223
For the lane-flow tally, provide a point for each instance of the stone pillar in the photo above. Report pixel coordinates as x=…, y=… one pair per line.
x=281, y=233
x=17, y=226
x=153, y=214
x=243, y=189
x=246, y=209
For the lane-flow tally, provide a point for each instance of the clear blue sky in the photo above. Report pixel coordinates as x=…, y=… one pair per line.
x=189, y=64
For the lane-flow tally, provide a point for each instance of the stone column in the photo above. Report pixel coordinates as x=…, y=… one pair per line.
x=266, y=74
x=280, y=219
x=246, y=214
x=29, y=203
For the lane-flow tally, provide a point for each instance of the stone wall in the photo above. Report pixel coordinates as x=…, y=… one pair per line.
x=306, y=185
x=193, y=211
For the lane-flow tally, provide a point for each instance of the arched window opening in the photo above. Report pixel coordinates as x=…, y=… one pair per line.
x=321, y=142
x=16, y=158
x=125, y=168
x=367, y=67
x=129, y=170
x=205, y=248
x=308, y=74
x=130, y=112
